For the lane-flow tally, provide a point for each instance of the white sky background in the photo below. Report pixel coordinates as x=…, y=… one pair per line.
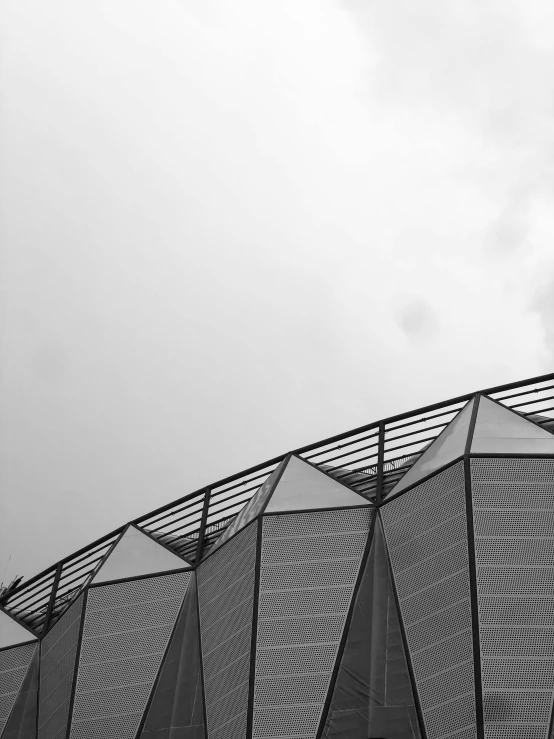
x=229, y=229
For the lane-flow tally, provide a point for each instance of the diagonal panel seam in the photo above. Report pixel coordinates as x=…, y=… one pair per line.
x=162, y=662
x=255, y=615
x=77, y=659
x=478, y=684
x=346, y=628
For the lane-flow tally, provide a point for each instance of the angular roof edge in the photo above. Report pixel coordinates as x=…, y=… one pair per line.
x=201, y=495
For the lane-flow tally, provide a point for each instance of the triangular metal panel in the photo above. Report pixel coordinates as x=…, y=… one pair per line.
x=58, y=662
x=12, y=633
x=126, y=631
x=448, y=445
x=310, y=565
x=177, y=705
x=226, y=589
x=304, y=487
x=14, y=664
x=22, y=723
x=251, y=510
x=373, y=693
x=500, y=430
x=426, y=532
x=135, y=555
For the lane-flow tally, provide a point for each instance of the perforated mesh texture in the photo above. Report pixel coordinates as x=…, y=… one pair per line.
x=309, y=567
x=57, y=668
x=14, y=663
x=126, y=631
x=513, y=503
x=513, y=731
x=226, y=601
x=426, y=532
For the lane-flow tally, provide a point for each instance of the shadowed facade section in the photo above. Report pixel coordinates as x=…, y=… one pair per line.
x=177, y=707
x=125, y=634
x=426, y=534
x=22, y=723
x=226, y=585
x=373, y=695
x=58, y=661
x=14, y=663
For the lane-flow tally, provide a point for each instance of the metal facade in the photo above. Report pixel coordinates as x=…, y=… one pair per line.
x=14, y=664
x=309, y=567
x=265, y=635
x=127, y=627
x=58, y=659
x=513, y=510
x=426, y=531
x=226, y=604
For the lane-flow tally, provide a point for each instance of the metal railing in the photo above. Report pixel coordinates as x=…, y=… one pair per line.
x=370, y=460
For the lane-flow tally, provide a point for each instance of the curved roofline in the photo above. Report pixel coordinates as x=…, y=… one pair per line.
x=202, y=508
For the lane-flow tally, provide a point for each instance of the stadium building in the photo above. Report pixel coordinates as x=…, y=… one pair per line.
x=393, y=582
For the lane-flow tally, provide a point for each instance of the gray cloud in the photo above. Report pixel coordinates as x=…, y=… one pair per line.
x=417, y=320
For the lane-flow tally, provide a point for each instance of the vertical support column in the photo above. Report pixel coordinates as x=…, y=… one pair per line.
x=473, y=575
x=52, y=600
x=254, y=637
x=380, y=463
x=202, y=532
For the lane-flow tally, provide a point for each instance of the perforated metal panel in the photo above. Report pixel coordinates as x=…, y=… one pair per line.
x=513, y=503
x=446, y=718
x=234, y=729
x=309, y=567
x=226, y=602
x=463, y=734
x=513, y=731
x=426, y=532
x=57, y=668
x=14, y=663
x=126, y=631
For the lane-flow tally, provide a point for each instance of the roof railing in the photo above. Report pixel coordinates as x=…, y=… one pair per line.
x=365, y=458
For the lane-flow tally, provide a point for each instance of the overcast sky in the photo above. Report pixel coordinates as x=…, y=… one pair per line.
x=229, y=229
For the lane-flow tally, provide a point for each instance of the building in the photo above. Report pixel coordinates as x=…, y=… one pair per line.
x=393, y=582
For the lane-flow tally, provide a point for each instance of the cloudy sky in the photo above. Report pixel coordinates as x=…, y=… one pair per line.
x=228, y=229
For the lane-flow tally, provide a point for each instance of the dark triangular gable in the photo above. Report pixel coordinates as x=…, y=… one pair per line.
x=373, y=695
x=22, y=723
x=177, y=707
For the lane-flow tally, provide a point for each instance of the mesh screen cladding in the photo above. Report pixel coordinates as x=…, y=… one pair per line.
x=14, y=663
x=309, y=567
x=226, y=602
x=57, y=668
x=513, y=504
x=126, y=631
x=426, y=532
